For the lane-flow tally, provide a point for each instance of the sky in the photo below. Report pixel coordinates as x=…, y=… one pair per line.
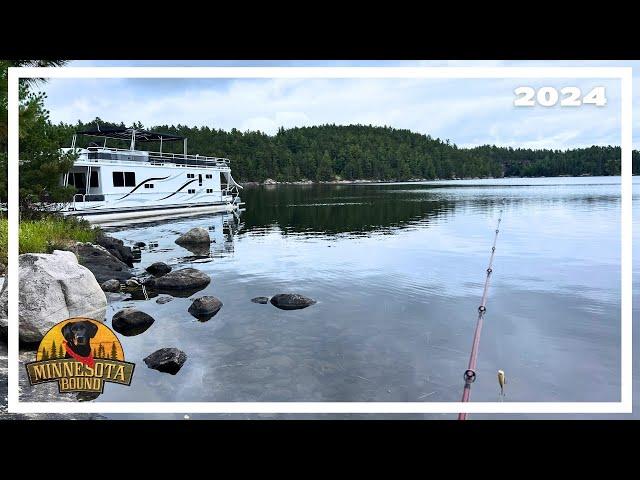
x=468, y=112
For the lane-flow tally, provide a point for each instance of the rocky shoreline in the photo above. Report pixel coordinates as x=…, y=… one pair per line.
x=270, y=181
x=82, y=280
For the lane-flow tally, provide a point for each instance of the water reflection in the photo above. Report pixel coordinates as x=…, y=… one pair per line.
x=329, y=209
x=397, y=271
x=156, y=234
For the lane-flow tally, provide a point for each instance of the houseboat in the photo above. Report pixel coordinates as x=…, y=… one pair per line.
x=116, y=183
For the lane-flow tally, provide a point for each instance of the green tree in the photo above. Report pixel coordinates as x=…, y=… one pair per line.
x=54, y=350
x=60, y=351
x=114, y=351
x=41, y=163
x=324, y=172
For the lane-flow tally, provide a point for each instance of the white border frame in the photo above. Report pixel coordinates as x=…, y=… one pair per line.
x=622, y=73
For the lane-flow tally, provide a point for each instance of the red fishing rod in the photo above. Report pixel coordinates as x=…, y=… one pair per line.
x=470, y=372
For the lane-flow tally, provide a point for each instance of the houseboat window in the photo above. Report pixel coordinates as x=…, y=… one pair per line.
x=209, y=175
x=209, y=190
x=200, y=179
x=129, y=179
x=148, y=185
x=78, y=180
x=191, y=175
x=118, y=179
x=93, y=180
x=124, y=179
x=192, y=190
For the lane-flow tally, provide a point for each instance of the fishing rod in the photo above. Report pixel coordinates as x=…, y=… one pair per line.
x=470, y=372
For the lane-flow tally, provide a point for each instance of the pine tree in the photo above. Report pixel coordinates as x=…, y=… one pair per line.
x=45, y=354
x=101, y=353
x=54, y=350
x=324, y=172
x=60, y=351
x=114, y=351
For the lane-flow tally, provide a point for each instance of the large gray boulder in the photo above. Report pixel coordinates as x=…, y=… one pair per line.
x=54, y=287
x=102, y=264
x=183, y=279
x=195, y=236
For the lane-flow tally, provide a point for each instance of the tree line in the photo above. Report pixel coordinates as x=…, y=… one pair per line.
x=329, y=152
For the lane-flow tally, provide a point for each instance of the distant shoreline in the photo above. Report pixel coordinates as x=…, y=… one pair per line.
x=270, y=181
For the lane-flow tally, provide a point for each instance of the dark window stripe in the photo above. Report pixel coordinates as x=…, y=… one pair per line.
x=142, y=183
x=190, y=181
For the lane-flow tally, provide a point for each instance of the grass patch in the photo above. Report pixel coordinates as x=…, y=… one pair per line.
x=48, y=234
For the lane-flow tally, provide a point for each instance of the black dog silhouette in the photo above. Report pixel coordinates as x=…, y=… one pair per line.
x=78, y=336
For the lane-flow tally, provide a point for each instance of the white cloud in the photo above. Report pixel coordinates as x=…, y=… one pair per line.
x=468, y=112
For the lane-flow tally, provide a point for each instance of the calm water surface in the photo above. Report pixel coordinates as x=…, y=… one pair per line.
x=397, y=270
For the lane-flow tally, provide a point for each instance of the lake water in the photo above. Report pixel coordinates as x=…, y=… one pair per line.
x=398, y=271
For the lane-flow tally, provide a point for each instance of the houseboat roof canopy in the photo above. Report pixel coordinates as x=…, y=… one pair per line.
x=127, y=133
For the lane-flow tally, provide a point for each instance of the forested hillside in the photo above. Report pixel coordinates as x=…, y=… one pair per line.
x=351, y=152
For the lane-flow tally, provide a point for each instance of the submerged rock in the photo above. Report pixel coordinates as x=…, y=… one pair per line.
x=167, y=360
x=197, y=235
x=291, y=301
x=164, y=299
x=183, y=279
x=204, y=308
x=262, y=300
x=102, y=264
x=116, y=248
x=112, y=285
x=158, y=269
x=52, y=288
x=130, y=322
x=117, y=296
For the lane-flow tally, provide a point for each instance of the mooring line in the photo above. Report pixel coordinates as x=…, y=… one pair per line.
x=470, y=372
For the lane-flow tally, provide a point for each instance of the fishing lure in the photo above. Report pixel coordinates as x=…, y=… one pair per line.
x=501, y=380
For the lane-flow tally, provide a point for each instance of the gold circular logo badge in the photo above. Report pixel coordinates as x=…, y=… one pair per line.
x=81, y=354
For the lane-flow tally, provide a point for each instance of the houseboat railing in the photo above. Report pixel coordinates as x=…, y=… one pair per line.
x=154, y=157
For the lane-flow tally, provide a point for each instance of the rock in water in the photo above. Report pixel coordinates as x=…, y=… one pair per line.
x=262, y=300
x=116, y=248
x=132, y=283
x=183, y=279
x=112, y=285
x=158, y=269
x=54, y=287
x=102, y=264
x=204, y=308
x=140, y=244
x=164, y=299
x=130, y=322
x=194, y=236
x=168, y=360
x=291, y=301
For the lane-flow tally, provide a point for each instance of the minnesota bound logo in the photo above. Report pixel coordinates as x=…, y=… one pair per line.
x=80, y=354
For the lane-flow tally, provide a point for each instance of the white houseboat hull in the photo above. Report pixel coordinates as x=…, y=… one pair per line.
x=106, y=217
